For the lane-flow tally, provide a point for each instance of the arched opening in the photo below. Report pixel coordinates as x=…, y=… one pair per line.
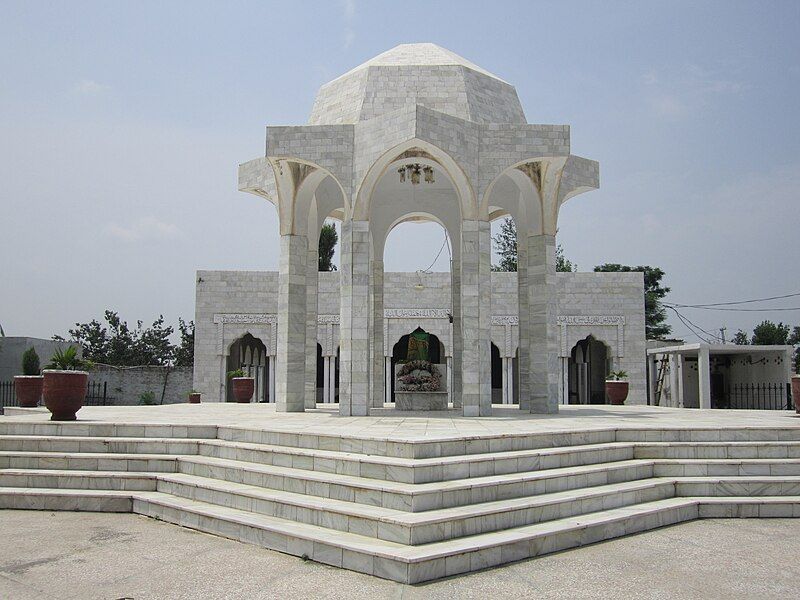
x=415, y=345
x=589, y=364
x=497, y=375
x=249, y=354
x=327, y=377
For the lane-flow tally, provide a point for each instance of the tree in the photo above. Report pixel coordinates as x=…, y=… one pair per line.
x=655, y=314
x=506, y=247
x=768, y=333
x=741, y=339
x=794, y=340
x=115, y=343
x=563, y=264
x=327, y=246
x=184, y=353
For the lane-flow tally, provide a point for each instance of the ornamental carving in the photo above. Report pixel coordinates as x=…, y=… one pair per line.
x=416, y=313
x=245, y=318
x=328, y=319
x=505, y=320
x=591, y=320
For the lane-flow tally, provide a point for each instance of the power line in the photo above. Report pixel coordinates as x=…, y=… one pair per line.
x=693, y=327
x=739, y=302
x=733, y=309
x=438, y=254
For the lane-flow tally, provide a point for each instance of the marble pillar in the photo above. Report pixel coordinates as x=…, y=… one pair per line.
x=542, y=313
x=312, y=279
x=354, y=362
x=378, y=363
x=476, y=363
x=291, y=368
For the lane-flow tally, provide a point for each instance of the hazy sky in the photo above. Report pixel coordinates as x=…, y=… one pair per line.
x=122, y=124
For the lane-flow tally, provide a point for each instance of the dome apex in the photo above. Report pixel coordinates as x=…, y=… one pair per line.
x=423, y=74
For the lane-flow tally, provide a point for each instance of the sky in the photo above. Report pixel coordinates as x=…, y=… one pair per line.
x=122, y=125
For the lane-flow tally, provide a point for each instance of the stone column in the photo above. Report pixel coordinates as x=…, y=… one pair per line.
x=312, y=281
x=292, y=316
x=510, y=378
x=378, y=363
x=542, y=310
x=704, y=376
x=387, y=376
x=681, y=365
x=455, y=328
x=564, y=388
x=326, y=368
x=523, y=364
x=272, y=363
x=450, y=378
x=354, y=363
x=332, y=382
x=476, y=301
x=504, y=362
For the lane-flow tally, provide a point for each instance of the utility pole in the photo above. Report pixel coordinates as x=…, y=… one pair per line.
x=722, y=331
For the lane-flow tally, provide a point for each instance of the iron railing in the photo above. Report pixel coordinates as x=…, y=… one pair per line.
x=761, y=396
x=97, y=395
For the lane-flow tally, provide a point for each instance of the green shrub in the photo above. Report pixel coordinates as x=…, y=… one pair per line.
x=67, y=360
x=236, y=373
x=147, y=398
x=30, y=362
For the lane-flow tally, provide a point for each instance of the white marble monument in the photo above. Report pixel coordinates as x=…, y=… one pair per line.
x=417, y=133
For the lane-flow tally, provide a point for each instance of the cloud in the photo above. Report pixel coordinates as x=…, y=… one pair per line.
x=142, y=229
x=688, y=91
x=349, y=13
x=89, y=87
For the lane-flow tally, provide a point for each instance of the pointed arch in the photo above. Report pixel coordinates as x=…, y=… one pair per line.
x=458, y=178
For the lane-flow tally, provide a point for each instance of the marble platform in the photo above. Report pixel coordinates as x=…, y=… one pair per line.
x=406, y=496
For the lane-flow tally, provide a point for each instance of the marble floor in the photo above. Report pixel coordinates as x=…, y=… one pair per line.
x=387, y=423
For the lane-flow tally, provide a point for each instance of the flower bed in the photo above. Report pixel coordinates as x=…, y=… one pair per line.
x=419, y=376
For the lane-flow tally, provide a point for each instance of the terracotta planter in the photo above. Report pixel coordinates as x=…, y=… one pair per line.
x=796, y=393
x=28, y=389
x=243, y=388
x=617, y=392
x=64, y=393
x=194, y=398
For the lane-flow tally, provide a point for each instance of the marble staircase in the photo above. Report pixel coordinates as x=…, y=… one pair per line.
x=409, y=510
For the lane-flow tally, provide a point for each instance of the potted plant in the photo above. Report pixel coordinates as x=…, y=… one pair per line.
x=243, y=386
x=617, y=387
x=65, y=384
x=194, y=397
x=28, y=386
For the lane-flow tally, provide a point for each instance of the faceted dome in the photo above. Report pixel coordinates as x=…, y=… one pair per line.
x=423, y=74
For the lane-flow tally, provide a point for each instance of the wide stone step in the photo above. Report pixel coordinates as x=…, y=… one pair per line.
x=406, y=564
x=406, y=445
x=79, y=480
x=709, y=450
x=418, y=470
x=414, y=528
x=89, y=461
x=709, y=467
x=345, y=463
x=415, y=497
x=707, y=434
x=120, y=445
x=98, y=429
x=737, y=486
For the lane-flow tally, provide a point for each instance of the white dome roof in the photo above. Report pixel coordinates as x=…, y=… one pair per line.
x=423, y=74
